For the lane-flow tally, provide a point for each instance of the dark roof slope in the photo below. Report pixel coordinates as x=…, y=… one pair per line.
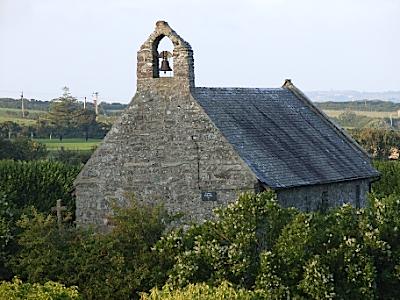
x=283, y=140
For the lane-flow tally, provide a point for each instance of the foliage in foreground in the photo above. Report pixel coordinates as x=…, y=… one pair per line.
x=16, y=290
x=200, y=291
x=37, y=183
x=261, y=249
x=389, y=183
x=116, y=265
x=29, y=183
x=281, y=253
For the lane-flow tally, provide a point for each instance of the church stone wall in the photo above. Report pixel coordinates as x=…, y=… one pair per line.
x=164, y=148
x=320, y=197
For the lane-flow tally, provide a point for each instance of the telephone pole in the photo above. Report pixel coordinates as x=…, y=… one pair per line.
x=22, y=104
x=95, y=102
x=84, y=104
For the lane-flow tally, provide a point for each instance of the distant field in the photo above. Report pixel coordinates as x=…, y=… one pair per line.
x=69, y=144
x=15, y=115
x=18, y=110
x=372, y=114
x=17, y=120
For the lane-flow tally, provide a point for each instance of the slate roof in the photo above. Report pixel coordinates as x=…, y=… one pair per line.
x=284, y=140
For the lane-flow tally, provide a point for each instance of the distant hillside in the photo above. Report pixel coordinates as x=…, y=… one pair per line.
x=29, y=104
x=360, y=105
x=323, y=96
x=33, y=104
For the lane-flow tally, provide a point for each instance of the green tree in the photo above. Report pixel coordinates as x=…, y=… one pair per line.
x=86, y=122
x=64, y=113
x=16, y=290
x=114, y=265
x=22, y=149
x=9, y=129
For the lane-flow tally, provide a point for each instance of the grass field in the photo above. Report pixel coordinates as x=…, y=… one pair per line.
x=69, y=144
x=14, y=115
x=4, y=110
x=17, y=120
x=371, y=114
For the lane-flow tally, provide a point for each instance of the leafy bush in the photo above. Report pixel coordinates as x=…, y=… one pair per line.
x=263, y=250
x=72, y=157
x=37, y=183
x=7, y=218
x=24, y=184
x=229, y=247
x=281, y=253
x=115, y=265
x=200, y=291
x=389, y=183
x=22, y=149
x=16, y=290
x=377, y=142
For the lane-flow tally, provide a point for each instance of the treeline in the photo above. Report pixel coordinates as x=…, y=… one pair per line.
x=379, y=143
x=34, y=104
x=360, y=105
x=253, y=249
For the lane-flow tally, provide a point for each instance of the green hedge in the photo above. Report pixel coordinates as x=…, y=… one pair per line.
x=16, y=290
x=389, y=182
x=37, y=183
x=201, y=291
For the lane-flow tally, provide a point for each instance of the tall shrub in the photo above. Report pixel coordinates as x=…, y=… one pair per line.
x=115, y=265
x=37, y=183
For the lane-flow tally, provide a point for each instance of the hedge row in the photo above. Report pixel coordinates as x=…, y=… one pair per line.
x=37, y=183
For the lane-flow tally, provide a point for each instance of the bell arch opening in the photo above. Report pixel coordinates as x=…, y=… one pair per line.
x=163, y=61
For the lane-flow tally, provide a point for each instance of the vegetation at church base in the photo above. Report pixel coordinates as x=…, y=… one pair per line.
x=255, y=250
x=117, y=265
x=16, y=290
x=30, y=183
x=37, y=183
x=201, y=291
x=389, y=183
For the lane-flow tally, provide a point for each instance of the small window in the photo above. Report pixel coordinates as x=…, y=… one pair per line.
x=358, y=196
x=324, y=201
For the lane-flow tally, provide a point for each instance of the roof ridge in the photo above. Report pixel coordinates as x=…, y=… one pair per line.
x=301, y=96
x=236, y=88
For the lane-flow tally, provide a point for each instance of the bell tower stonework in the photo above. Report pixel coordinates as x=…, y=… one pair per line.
x=147, y=58
x=164, y=148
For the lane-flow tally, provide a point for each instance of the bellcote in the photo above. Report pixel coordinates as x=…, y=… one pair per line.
x=148, y=58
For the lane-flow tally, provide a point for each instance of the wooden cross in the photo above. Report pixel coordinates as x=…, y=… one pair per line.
x=59, y=209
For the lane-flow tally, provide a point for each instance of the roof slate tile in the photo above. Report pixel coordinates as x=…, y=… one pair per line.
x=284, y=142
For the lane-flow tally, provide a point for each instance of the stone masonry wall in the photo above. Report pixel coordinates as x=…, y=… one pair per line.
x=164, y=148
x=317, y=197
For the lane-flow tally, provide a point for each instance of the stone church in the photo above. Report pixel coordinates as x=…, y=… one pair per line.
x=196, y=148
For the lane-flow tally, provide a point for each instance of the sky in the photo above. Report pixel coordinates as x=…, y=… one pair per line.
x=90, y=45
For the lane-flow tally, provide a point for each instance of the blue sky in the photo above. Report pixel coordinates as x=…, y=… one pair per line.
x=90, y=45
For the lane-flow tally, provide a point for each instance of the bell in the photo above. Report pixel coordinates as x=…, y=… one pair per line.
x=165, y=66
x=165, y=63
